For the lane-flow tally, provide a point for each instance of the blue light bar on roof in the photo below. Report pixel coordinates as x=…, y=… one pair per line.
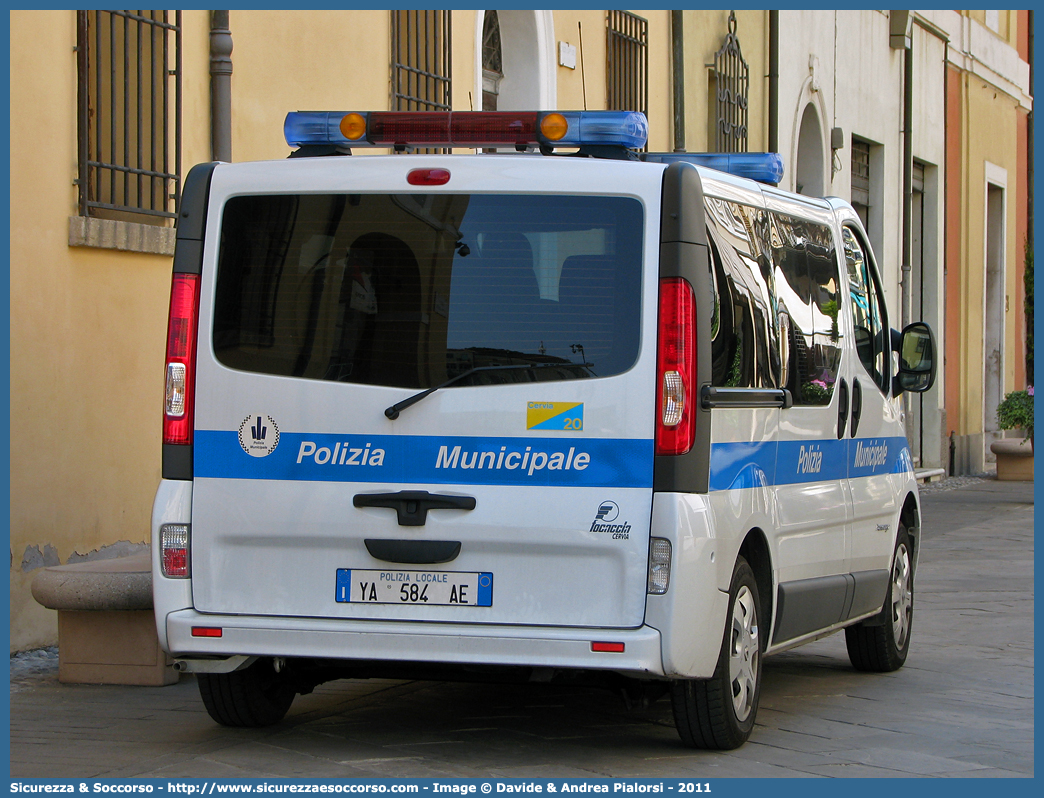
x=314, y=127
x=765, y=167
x=478, y=129
x=607, y=128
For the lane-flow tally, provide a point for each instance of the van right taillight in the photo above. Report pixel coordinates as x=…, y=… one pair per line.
x=181, y=359
x=676, y=367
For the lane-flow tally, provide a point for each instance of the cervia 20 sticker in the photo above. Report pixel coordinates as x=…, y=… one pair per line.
x=259, y=435
x=555, y=415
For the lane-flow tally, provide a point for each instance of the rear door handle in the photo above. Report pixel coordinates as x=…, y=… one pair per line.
x=412, y=506
x=414, y=552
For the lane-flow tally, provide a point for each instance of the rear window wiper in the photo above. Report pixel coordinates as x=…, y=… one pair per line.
x=393, y=411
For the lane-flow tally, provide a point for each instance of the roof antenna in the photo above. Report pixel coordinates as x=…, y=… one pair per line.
x=583, y=79
x=471, y=102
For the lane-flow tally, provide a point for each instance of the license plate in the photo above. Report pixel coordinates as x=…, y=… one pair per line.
x=429, y=588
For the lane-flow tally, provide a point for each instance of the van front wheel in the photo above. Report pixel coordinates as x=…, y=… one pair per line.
x=881, y=643
x=718, y=713
x=254, y=696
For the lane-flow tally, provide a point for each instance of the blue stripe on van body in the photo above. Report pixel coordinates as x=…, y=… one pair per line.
x=749, y=465
x=408, y=459
x=565, y=462
x=742, y=465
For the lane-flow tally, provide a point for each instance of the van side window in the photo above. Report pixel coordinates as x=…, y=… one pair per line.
x=744, y=346
x=807, y=285
x=868, y=310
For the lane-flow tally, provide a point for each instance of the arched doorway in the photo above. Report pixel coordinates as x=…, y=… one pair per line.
x=811, y=156
x=515, y=55
x=492, y=61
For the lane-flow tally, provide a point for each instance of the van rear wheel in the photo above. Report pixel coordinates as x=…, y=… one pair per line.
x=881, y=643
x=254, y=696
x=718, y=713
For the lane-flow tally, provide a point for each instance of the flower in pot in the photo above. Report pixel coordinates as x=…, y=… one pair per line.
x=1016, y=411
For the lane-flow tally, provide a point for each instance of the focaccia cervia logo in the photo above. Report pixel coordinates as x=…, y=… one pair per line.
x=609, y=511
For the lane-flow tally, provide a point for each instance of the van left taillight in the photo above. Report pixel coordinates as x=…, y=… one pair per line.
x=181, y=359
x=174, y=550
x=676, y=367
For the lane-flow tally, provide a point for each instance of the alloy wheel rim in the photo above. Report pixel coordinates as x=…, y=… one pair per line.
x=744, y=653
x=902, y=597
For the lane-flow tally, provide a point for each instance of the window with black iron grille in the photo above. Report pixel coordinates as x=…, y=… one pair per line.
x=861, y=179
x=731, y=81
x=129, y=114
x=421, y=61
x=627, y=67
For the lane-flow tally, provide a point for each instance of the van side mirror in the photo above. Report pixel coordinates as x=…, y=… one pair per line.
x=916, y=348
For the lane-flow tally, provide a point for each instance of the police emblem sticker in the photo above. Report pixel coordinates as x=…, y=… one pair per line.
x=259, y=435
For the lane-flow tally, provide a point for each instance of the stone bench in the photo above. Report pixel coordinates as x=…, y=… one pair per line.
x=106, y=626
x=1014, y=459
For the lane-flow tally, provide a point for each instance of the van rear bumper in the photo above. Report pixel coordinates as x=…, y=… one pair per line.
x=465, y=644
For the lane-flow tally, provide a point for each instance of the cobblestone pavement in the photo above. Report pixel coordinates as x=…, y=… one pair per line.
x=952, y=483
x=961, y=707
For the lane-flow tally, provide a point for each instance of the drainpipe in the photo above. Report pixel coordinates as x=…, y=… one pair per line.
x=678, y=65
x=900, y=37
x=220, y=87
x=773, y=87
x=1029, y=168
x=905, y=287
x=1029, y=143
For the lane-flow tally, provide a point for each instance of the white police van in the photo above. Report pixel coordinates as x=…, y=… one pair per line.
x=526, y=415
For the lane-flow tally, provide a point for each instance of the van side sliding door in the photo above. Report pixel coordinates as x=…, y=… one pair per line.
x=811, y=466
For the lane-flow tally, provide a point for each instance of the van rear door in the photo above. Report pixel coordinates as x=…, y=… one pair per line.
x=429, y=405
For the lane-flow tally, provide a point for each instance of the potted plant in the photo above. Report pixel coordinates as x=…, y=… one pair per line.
x=1015, y=459
x=1016, y=412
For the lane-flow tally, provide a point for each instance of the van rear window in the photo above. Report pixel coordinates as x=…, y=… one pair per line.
x=412, y=290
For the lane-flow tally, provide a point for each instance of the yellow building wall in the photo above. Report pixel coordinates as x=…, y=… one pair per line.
x=705, y=33
x=320, y=60
x=583, y=87
x=661, y=112
x=990, y=120
x=87, y=331
x=464, y=23
x=88, y=325
x=304, y=61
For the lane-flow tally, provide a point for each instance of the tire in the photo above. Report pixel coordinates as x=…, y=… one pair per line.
x=255, y=696
x=718, y=713
x=881, y=644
